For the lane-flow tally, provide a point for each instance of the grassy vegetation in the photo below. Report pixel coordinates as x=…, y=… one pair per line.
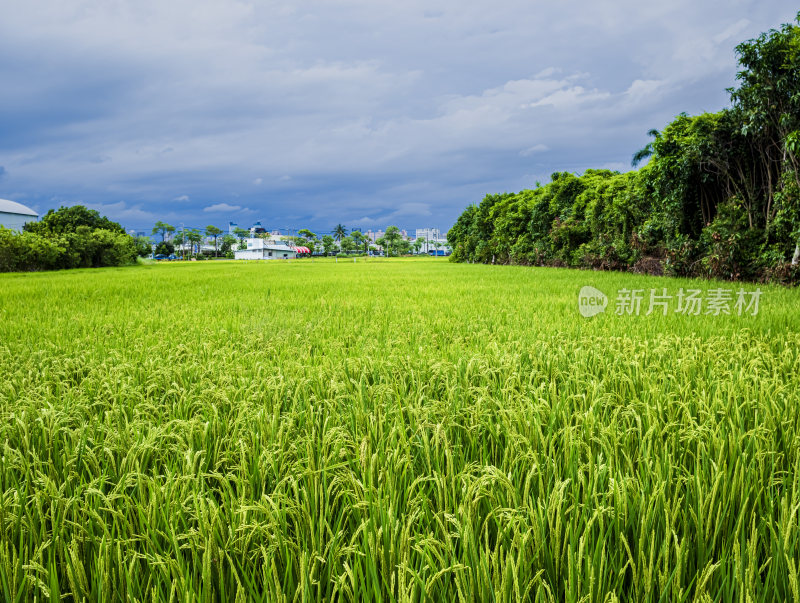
x=391, y=430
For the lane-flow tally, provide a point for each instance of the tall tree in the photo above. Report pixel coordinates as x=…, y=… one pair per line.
x=179, y=241
x=768, y=103
x=163, y=228
x=213, y=231
x=339, y=232
x=358, y=238
x=392, y=237
x=194, y=237
x=328, y=244
x=228, y=241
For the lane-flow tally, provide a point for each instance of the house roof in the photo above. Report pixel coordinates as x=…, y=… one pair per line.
x=12, y=207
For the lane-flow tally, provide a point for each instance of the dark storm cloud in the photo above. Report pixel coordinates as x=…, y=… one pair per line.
x=358, y=112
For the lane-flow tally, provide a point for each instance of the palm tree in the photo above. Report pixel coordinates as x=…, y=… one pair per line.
x=647, y=150
x=339, y=232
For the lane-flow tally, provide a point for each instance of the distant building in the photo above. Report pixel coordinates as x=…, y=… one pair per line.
x=14, y=215
x=431, y=234
x=232, y=226
x=374, y=236
x=257, y=229
x=434, y=243
x=266, y=249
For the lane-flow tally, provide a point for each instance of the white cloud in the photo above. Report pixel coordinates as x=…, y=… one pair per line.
x=225, y=208
x=122, y=212
x=411, y=209
x=181, y=198
x=537, y=148
x=731, y=31
x=365, y=221
x=642, y=88
x=616, y=166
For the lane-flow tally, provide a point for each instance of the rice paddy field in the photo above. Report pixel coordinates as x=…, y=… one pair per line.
x=397, y=430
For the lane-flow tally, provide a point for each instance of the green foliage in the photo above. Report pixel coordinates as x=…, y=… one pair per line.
x=214, y=231
x=70, y=237
x=68, y=219
x=84, y=248
x=227, y=243
x=163, y=229
x=392, y=241
x=194, y=238
x=165, y=248
x=144, y=246
x=28, y=251
x=328, y=244
x=361, y=241
x=347, y=244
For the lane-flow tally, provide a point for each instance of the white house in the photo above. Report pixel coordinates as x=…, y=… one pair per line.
x=267, y=249
x=14, y=215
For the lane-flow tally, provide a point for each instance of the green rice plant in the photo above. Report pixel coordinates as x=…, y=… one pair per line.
x=391, y=430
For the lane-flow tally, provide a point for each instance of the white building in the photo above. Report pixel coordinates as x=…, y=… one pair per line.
x=266, y=249
x=14, y=215
x=374, y=236
x=430, y=234
x=434, y=241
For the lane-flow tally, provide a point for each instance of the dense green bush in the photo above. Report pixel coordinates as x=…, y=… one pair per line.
x=71, y=237
x=144, y=247
x=165, y=248
x=27, y=251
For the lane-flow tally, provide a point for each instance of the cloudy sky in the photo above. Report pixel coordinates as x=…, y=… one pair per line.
x=364, y=112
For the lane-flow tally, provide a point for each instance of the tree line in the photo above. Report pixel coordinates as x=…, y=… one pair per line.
x=392, y=242
x=340, y=241
x=719, y=196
